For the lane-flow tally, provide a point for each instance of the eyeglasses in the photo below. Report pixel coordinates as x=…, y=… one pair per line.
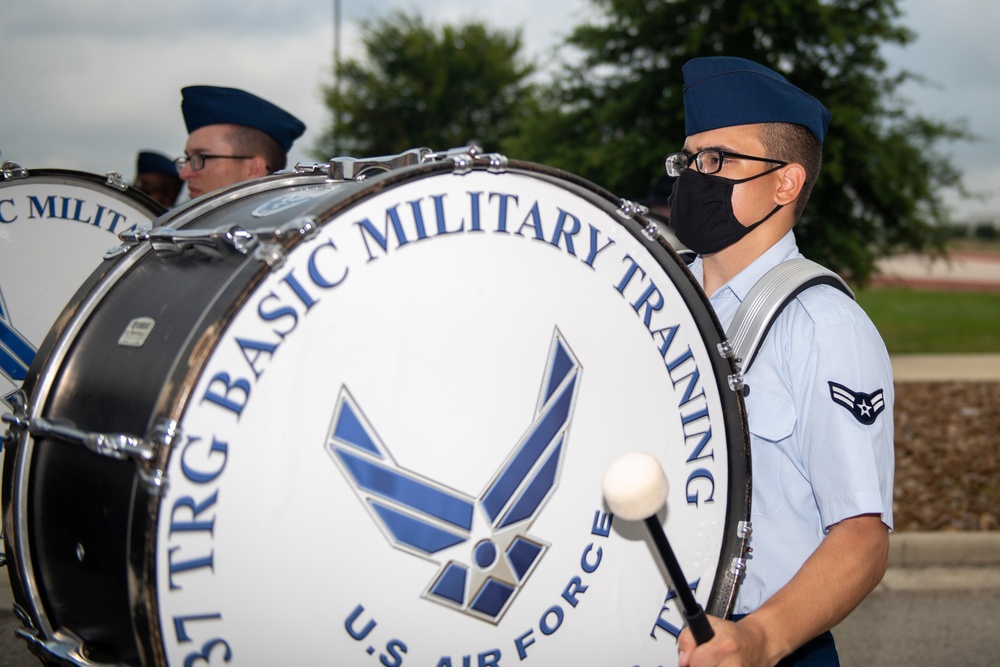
x=709, y=161
x=197, y=161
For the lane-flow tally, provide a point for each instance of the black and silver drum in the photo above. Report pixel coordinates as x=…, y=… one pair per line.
x=317, y=420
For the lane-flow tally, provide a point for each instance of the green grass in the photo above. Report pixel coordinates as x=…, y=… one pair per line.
x=921, y=321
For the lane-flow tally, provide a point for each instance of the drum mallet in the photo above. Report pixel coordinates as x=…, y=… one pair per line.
x=635, y=488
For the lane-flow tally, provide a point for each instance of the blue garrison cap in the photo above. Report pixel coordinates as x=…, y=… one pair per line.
x=213, y=105
x=723, y=91
x=155, y=163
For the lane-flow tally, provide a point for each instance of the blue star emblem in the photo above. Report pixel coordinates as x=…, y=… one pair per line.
x=865, y=407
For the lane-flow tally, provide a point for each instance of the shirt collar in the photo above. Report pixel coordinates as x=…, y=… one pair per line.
x=741, y=283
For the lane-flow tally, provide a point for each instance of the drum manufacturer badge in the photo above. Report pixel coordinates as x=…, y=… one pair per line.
x=137, y=332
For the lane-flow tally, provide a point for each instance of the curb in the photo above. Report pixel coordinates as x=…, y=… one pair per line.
x=964, y=563
x=967, y=367
x=944, y=549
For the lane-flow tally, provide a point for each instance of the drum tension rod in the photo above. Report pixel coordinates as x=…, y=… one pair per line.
x=357, y=169
x=117, y=446
x=65, y=648
x=169, y=242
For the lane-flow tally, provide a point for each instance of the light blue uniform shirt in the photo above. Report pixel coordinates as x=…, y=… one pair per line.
x=820, y=417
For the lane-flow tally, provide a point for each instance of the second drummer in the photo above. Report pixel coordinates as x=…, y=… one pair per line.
x=233, y=136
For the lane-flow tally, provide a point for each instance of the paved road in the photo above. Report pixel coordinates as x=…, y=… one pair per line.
x=918, y=617
x=923, y=628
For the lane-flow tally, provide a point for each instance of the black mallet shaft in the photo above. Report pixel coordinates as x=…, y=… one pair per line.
x=635, y=489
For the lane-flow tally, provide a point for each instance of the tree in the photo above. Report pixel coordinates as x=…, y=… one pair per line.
x=424, y=87
x=615, y=114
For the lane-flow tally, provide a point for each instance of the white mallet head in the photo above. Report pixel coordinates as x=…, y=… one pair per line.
x=635, y=486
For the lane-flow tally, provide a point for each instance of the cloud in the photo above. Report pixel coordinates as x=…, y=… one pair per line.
x=956, y=51
x=98, y=81
x=104, y=79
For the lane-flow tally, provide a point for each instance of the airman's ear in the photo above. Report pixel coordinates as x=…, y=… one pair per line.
x=257, y=167
x=793, y=177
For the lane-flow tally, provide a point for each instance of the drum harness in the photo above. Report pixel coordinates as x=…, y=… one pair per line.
x=765, y=301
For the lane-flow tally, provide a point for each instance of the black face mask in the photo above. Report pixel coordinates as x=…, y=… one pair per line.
x=701, y=212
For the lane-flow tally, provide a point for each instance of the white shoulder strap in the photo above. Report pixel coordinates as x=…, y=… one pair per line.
x=768, y=297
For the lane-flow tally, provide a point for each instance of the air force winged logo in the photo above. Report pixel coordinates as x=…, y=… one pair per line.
x=481, y=544
x=16, y=353
x=865, y=407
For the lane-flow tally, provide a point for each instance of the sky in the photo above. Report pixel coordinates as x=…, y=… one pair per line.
x=86, y=85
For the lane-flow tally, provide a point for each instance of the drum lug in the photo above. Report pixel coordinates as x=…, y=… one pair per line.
x=495, y=162
x=739, y=564
x=115, y=180
x=65, y=648
x=650, y=231
x=736, y=379
x=273, y=253
x=738, y=567
x=161, y=436
x=117, y=446
x=303, y=227
x=462, y=163
x=19, y=403
x=10, y=171
x=467, y=158
x=629, y=209
x=463, y=158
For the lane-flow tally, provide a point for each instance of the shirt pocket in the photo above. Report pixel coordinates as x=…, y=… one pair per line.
x=771, y=420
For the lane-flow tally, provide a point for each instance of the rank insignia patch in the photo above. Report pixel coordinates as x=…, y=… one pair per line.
x=865, y=407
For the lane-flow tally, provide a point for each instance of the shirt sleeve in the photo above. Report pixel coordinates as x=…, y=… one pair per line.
x=843, y=389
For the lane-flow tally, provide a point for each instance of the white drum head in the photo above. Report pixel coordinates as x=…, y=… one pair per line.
x=394, y=453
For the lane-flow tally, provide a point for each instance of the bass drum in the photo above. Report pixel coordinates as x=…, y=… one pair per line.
x=55, y=226
x=366, y=422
